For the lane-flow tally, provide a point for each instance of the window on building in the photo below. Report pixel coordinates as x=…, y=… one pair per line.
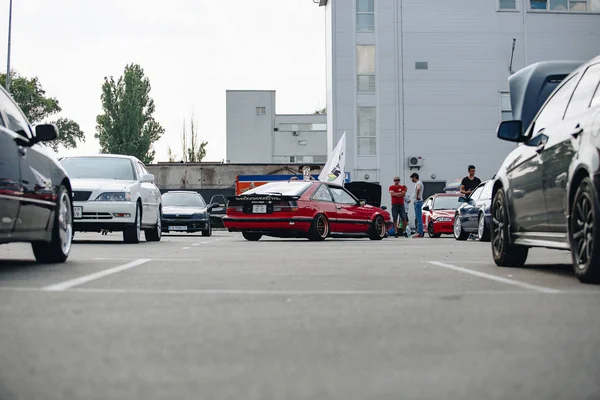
x=505, y=107
x=507, y=4
x=565, y=5
x=261, y=110
x=367, y=139
x=320, y=159
x=318, y=127
x=302, y=142
x=365, y=15
x=365, y=68
x=286, y=127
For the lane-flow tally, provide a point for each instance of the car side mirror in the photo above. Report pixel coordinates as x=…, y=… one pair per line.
x=383, y=208
x=362, y=202
x=46, y=132
x=147, y=178
x=426, y=208
x=213, y=205
x=462, y=199
x=511, y=131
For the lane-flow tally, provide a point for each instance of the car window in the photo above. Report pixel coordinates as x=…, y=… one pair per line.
x=183, y=200
x=596, y=100
x=15, y=120
x=446, y=203
x=287, y=188
x=2, y=121
x=477, y=193
x=487, y=191
x=143, y=169
x=341, y=196
x=582, y=97
x=217, y=198
x=322, y=194
x=99, y=168
x=555, y=107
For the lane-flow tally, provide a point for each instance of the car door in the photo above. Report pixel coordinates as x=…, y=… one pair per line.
x=526, y=189
x=562, y=147
x=37, y=200
x=149, y=197
x=10, y=176
x=471, y=210
x=221, y=201
x=351, y=217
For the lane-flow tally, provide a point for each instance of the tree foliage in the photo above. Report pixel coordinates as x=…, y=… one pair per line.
x=127, y=125
x=37, y=107
x=192, y=149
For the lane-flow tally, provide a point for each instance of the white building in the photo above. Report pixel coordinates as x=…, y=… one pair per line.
x=256, y=134
x=429, y=78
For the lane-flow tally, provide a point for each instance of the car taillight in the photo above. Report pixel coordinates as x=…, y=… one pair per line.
x=235, y=209
x=285, y=206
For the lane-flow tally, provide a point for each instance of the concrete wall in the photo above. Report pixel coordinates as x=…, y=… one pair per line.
x=172, y=176
x=449, y=112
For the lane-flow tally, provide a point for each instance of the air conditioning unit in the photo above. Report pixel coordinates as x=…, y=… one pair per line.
x=295, y=133
x=415, y=162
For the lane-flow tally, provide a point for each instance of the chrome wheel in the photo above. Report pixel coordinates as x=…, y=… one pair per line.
x=138, y=223
x=322, y=227
x=498, y=227
x=481, y=228
x=380, y=226
x=65, y=223
x=583, y=233
x=457, y=226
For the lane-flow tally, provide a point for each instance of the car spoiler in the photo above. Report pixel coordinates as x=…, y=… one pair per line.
x=532, y=85
x=261, y=197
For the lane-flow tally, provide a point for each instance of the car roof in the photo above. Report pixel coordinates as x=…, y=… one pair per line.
x=105, y=156
x=183, y=192
x=457, y=194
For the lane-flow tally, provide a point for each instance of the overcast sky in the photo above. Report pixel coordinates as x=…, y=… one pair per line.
x=192, y=51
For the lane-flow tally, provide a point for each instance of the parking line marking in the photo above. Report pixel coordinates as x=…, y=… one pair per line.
x=520, y=284
x=185, y=248
x=153, y=259
x=196, y=244
x=92, y=277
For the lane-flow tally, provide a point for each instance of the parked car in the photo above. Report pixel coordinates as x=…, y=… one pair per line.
x=546, y=191
x=186, y=211
x=35, y=191
x=304, y=209
x=114, y=193
x=438, y=213
x=474, y=213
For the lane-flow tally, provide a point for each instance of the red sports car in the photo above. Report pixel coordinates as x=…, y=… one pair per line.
x=304, y=209
x=438, y=213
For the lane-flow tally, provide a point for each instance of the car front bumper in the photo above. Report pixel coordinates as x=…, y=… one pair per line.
x=184, y=225
x=97, y=215
x=443, y=226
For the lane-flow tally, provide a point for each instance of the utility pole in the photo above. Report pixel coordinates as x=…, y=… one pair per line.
x=8, y=58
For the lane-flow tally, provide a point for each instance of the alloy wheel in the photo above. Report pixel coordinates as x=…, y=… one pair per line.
x=457, y=226
x=498, y=226
x=322, y=227
x=583, y=234
x=481, y=228
x=65, y=223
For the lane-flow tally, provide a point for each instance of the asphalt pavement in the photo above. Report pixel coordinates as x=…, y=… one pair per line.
x=193, y=317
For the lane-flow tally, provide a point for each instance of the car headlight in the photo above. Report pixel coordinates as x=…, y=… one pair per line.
x=443, y=219
x=199, y=216
x=114, y=196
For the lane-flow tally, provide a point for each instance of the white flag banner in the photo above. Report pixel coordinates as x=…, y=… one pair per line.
x=334, y=169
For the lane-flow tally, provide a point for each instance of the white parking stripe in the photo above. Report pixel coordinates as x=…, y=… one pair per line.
x=496, y=278
x=92, y=277
x=185, y=248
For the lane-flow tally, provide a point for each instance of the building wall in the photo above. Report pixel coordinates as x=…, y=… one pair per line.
x=270, y=138
x=449, y=112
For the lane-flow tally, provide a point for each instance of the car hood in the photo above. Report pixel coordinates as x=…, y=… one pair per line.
x=101, y=184
x=179, y=210
x=443, y=213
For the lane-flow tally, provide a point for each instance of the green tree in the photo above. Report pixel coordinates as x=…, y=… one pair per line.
x=192, y=149
x=37, y=107
x=127, y=125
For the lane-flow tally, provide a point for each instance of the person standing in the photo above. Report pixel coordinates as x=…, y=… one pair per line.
x=469, y=182
x=398, y=191
x=418, y=202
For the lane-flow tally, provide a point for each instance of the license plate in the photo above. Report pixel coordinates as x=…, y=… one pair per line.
x=178, y=228
x=259, y=208
x=77, y=212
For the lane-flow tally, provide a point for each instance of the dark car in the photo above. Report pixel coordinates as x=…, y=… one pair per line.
x=546, y=192
x=219, y=211
x=186, y=211
x=474, y=213
x=35, y=191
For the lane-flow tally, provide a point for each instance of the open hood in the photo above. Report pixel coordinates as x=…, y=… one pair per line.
x=531, y=86
x=371, y=192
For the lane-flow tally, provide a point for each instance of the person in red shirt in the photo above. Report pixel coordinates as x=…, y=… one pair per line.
x=398, y=191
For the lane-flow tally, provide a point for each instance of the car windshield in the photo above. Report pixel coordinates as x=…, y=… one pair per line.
x=182, y=200
x=281, y=188
x=446, y=203
x=99, y=168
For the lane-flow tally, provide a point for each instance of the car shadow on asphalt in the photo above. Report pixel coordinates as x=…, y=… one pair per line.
x=557, y=269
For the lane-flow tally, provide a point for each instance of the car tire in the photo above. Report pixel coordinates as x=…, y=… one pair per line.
x=584, y=233
x=253, y=237
x=59, y=247
x=207, y=232
x=133, y=233
x=319, y=229
x=483, y=231
x=431, y=231
x=377, y=229
x=459, y=233
x=505, y=253
x=155, y=234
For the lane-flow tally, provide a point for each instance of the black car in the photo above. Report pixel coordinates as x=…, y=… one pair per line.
x=186, y=211
x=546, y=191
x=474, y=214
x=219, y=211
x=35, y=191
